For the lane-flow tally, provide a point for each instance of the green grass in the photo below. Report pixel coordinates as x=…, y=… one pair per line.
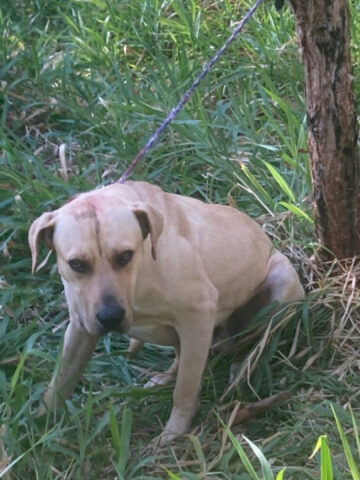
x=99, y=76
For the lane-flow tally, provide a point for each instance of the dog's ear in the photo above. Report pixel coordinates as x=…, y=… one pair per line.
x=151, y=223
x=41, y=231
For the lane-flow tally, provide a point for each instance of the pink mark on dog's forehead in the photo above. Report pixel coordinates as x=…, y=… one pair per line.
x=84, y=207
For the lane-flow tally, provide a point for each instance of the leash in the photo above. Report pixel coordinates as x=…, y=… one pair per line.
x=174, y=112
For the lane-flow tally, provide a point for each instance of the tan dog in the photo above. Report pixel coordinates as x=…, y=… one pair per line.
x=163, y=268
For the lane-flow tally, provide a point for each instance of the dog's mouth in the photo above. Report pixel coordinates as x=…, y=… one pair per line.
x=111, y=317
x=122, y=327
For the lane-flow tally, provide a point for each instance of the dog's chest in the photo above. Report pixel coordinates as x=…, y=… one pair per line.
x=153, y=319
x=151, y=330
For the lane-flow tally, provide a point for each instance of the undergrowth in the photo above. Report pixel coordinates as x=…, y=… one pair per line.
x=83, y=85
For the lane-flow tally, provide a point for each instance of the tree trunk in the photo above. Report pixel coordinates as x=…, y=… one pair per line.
x=323, y=28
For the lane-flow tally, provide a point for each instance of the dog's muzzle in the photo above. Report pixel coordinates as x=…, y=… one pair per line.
x=110, y=315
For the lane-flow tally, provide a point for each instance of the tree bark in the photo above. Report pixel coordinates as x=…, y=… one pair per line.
x=323, y=28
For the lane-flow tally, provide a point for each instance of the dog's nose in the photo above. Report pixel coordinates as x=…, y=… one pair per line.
x=110, y=316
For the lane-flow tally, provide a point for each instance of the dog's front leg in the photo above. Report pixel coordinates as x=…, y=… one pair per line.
x=195, y=340
x=78, y=348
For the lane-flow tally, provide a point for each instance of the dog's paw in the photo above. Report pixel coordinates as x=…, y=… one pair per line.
x=159, y=444
x=165, y=438
x=160, y=379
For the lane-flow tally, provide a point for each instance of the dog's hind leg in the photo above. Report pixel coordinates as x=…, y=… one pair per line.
x=281, y=285
x=79, y=346
x=282, y=281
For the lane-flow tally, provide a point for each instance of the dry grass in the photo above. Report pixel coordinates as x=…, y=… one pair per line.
x=80, y=94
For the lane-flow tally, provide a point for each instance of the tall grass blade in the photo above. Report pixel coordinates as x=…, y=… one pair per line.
x=297, y=211
x=115, y=433
x=257, y=186
x=198, y=450
x=280, y=475
x=240, y=451
x=265, y=466
x=280, y=180
x=325, y=460
x=349, y=456
x=42, y=440
x=173, y=476
x=121, y=438
x=356, y=432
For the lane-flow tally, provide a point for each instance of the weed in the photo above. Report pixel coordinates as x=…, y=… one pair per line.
x=83, y=85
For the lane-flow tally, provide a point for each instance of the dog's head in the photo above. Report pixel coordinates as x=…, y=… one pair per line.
x=99, y=242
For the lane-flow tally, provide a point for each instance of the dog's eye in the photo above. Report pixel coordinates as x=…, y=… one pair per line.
x=78, y=266
x=123, y=258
